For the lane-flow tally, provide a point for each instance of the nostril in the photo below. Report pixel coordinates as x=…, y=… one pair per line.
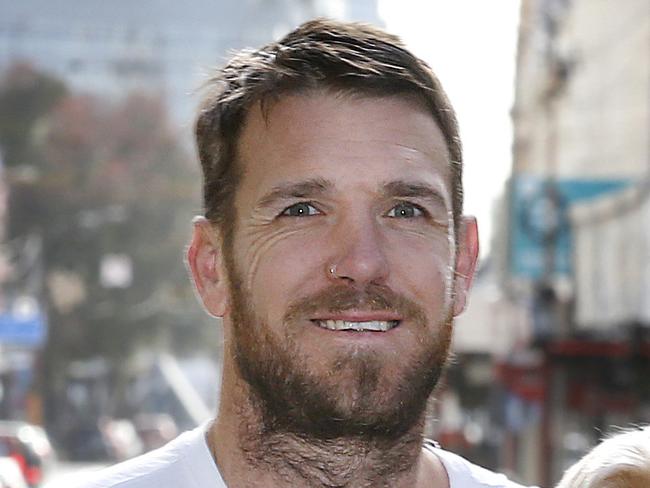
x=334, y=274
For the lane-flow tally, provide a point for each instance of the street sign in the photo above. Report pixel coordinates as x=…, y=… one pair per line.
x=23, y=324
x=539, y=221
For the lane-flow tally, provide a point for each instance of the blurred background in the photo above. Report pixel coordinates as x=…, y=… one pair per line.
x=104, y=351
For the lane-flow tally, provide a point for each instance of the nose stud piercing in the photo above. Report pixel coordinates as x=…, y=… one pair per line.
x=332, y=270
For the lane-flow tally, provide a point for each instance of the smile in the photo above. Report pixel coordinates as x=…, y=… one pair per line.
x=366, y=326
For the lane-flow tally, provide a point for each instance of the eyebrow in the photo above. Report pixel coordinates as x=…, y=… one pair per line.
x=301, y=189
x=411, y=189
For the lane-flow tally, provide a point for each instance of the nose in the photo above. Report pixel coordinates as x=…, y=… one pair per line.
x=361, y=254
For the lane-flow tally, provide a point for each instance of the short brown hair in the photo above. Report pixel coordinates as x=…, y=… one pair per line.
x=348, y=58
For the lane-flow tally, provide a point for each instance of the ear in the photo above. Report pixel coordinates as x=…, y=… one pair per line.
x=205, y=261
x=466, y=258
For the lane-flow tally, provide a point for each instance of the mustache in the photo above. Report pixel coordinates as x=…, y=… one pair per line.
x=342, y=298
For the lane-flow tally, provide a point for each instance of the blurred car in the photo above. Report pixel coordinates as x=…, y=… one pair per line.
x=108, y=439
x=121, y=437
x=10, y=474
x=29, y=446
x=155, y=429
x=86, y=443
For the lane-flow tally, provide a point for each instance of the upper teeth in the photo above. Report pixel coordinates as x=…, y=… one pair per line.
x=373, y=325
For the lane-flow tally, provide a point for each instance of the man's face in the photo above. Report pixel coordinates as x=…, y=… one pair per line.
x=341, y=282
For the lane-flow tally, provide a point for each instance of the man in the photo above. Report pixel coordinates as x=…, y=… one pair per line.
x=335, y=250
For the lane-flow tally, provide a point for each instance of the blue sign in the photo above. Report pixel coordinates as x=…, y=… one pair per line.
x=23, y=329
x=539, y=221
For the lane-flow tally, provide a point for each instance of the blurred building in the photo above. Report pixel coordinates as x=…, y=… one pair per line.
x=578, y=228
x=493, y=332
x=157, y=46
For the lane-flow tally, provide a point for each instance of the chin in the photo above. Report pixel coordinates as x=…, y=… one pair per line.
x=355, y=393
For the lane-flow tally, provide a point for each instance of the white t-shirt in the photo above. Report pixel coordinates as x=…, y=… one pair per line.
x=463, y=474
x=186, y=462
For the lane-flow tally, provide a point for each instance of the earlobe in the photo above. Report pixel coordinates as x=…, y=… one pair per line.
x=467, y=257
x=206, y=266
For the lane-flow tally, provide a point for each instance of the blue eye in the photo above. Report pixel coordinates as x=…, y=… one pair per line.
x=405, y=210
x=301, y=209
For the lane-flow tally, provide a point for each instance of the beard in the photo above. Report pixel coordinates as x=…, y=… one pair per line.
x=350, y=396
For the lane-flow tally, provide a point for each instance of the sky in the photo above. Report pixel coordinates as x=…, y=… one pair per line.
x=471, y=46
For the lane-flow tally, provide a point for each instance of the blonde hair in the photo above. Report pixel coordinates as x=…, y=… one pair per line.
x=621, y=461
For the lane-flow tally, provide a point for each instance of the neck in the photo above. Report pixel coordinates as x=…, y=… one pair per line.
x=249, y=454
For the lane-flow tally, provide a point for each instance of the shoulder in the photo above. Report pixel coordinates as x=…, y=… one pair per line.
x=463, y=474
x=185, y=461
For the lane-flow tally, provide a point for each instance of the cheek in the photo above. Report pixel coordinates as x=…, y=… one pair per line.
x=424, y=269
x=279, y=269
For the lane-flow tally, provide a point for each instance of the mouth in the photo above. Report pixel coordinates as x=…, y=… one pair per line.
x=357, y=326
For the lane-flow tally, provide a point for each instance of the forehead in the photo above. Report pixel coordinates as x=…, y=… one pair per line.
x=343, y=138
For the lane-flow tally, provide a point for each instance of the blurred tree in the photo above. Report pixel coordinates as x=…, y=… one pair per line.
x=25, y=97
x=117, y=184
x=112, y=198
